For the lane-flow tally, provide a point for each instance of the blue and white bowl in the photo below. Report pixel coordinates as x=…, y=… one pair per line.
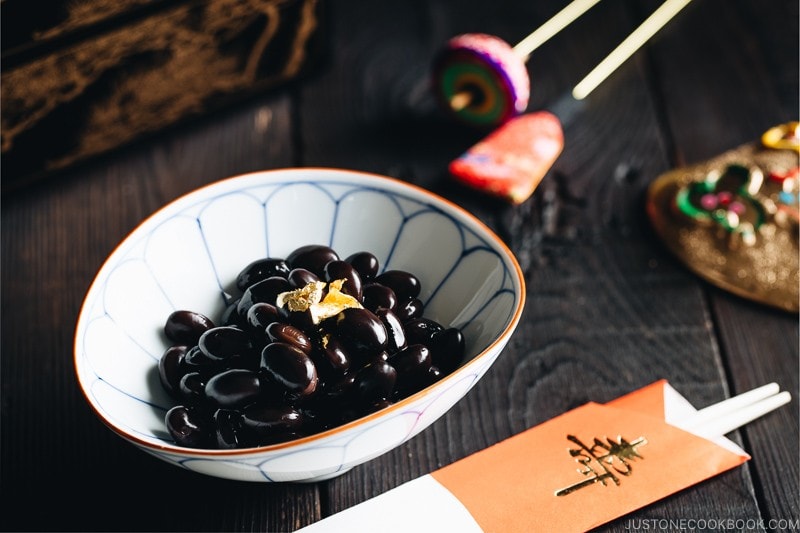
x=187, y=256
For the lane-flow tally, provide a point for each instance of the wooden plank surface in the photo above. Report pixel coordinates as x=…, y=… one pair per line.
x=608, y=308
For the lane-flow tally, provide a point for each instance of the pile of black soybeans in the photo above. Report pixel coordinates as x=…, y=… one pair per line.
x=268, y=374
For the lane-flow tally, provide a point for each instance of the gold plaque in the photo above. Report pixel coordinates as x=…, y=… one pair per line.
x=733, y=219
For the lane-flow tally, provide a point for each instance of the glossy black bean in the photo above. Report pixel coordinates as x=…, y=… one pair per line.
x=192, y=389
x=270, y=420
x=261, y=269
x=266, y=290
x=336, y=412
x=299, y=319
x=259, y=316
x=171, y=368
x=352, y=285
x=412, y=363
x=330, y=356
x=288, y=368
x=336, y=388
x=231, y=317
x=375, y=381
x=300, y=277
x=249, y=359
x=361, y=332
x=421, y=330
x=280, y=332
x=434, y=374
x=233, y=388
x=365, y=263
x=196, y=360
x=185, y=327
x=312, y=257
x=227, y=423
x=409, y=309
x=404, y=284
x=379, y=357
x=447, y=349
x=375, y=295
x=223, y=342
x=189, y=427
x=378, y=405
x=394, y=329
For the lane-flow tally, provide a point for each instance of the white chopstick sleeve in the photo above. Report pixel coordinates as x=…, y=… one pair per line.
x=417, y=506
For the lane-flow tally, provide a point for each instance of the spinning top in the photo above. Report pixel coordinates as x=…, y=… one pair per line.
x=482, y=80
x=733, y=219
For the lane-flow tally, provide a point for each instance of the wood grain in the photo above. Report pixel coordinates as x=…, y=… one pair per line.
x=608, y=308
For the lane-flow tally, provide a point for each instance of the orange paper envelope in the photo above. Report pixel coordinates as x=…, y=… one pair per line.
x=572, y=473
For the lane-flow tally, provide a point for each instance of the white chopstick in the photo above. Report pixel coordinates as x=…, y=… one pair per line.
x=723, y=417
x=626, y=48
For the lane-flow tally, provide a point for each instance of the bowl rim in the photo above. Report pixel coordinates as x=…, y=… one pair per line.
x=395, y=184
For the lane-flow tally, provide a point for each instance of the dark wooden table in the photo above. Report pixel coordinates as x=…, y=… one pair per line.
x=608, y=308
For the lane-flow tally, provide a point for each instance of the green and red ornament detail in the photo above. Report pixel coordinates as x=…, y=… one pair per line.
x=733, y=219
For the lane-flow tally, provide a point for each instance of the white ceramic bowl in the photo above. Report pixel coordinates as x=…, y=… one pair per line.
x=187, y=256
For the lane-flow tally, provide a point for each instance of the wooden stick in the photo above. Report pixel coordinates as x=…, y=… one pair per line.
x=626, y=48
x=556, y=23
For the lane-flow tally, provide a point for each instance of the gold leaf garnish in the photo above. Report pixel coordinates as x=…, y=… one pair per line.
x=303, y=298
x=309, y=298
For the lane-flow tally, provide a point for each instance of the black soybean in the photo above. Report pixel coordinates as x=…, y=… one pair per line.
x=300, y=277
x=223, y=342
x=361, y=331
x=196, y=360
x=192, y=388
x=447, y=348
x=270, y=420
x=227, y=423
x=312, y=257
x=330, y=356
x=279, y=332
x=290, y=369
x=409, y=309
x=365, y=263
x=259, y=316
x=231, y=317
x=412, y=363
x=185, y=327
x=394, y=328
x=266, y=290
x=375, y=381
x=261, y=269
x=233, y=388
x=376, y=295
x=336, y=270
x=404, y=284
x=189, y=427
x=171, y=368
x=422, y=330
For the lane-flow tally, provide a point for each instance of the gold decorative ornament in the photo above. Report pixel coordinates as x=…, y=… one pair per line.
x=733, y=219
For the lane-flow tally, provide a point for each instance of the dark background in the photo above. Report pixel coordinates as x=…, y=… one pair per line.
x=608, y=308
